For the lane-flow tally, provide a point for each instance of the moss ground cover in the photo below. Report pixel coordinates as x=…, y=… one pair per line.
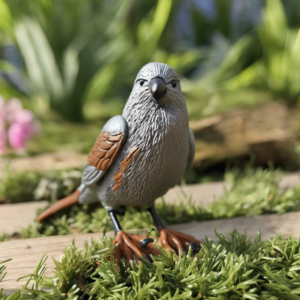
x=252, y=192
x=228, y=268
x=31, y=185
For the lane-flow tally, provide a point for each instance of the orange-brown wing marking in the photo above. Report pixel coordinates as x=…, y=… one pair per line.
x=118, y=178
x=105, y=150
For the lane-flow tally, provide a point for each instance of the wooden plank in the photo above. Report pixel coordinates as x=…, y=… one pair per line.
x=15, y=216
x=289, y=180
x=26, y=253
x=269, y=226
x=44, y=162
x=267, y=131
x=200, y=194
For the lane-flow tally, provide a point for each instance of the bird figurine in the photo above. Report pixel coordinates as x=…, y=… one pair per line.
x=137, y=157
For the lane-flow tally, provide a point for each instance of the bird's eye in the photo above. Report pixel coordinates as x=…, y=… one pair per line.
x=174, y=83
x=142, y=82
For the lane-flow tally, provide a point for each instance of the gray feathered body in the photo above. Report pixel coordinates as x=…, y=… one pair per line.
x=160, y=130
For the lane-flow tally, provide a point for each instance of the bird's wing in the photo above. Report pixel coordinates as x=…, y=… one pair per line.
x=191, y=152
x=105, y=150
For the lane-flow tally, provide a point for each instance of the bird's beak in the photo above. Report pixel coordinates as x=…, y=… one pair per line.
x=157, y=88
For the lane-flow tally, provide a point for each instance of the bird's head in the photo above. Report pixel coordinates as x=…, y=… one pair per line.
x=157, y=84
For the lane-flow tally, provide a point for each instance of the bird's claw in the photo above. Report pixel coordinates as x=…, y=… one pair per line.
x=133, y=247
x=178, y=242
x=146, y=242
x=195, y=247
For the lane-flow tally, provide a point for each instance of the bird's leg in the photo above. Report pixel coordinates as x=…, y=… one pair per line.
x=130, y=246
x=115, y=221
x=171, y=239
x=156, y=219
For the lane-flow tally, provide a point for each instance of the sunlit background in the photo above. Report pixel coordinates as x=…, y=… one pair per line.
x=73, y=63
x=67, y=66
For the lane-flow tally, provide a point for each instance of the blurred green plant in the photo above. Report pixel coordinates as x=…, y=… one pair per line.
x=278, y=70
x=17, y=187
x=59, y=135
x=28, y=186
x=261, y=66
x=74, y=57
x=4, y=237
x=81, y=60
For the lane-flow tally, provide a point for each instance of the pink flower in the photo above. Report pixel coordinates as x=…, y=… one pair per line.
x=2, y=141
x=26, y=119
x=12, y=108
x=20, y=123
x=16, y=135
x=2, y=110
x=2, y=127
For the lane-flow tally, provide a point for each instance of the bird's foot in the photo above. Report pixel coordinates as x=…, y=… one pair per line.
x=178, y=242
x=133, y=247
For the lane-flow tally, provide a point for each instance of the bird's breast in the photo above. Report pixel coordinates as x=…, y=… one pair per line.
x=152, y=160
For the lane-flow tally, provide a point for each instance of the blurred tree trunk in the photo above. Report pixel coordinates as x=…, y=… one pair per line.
x=268, y=132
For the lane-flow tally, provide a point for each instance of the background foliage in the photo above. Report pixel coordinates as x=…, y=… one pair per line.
x=77, y=62
x=92, y=51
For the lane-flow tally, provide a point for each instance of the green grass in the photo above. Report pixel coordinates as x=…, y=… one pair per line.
x=228, y=268
x=3, y=269
x=2, y=273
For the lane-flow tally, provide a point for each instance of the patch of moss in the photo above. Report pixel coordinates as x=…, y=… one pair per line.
x=4, y=237
x=18, y=187
x=30, y=185
x=229, y=268
x=253, y=192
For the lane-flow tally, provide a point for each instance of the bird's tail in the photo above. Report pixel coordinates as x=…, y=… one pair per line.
x=59, y=205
